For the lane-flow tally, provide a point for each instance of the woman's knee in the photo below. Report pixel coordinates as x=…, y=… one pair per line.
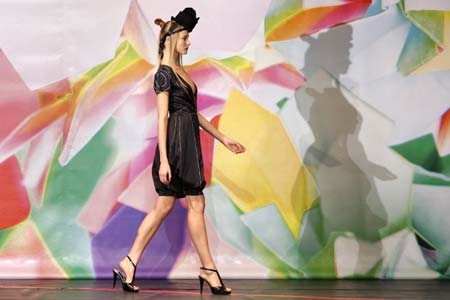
x=196, y=204
x=164, y=206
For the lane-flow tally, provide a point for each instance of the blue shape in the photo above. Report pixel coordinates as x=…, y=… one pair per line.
x=115, y=239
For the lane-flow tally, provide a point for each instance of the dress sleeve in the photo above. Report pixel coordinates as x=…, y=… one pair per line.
x=162, y=81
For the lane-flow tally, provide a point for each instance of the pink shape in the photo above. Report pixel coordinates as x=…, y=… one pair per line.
x=16, y=100
x=39, y=156
x=32, y=126
x=93, y=111
x=140, y=194
x=342, y=14
x=281, y=75
x=104, y=198
x=137, y=31
x=139, y=163
x=213, y=79
x=26, y=256
x=205, y=102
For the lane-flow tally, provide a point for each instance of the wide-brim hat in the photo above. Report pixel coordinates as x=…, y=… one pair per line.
x=186, y=18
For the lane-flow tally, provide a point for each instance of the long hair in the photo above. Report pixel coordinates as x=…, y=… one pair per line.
x=165, y=26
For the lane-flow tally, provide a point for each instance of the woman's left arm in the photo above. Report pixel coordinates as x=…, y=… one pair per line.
x=205, y=124
x=231, y=144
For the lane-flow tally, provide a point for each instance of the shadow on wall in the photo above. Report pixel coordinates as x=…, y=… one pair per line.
x=348, y=197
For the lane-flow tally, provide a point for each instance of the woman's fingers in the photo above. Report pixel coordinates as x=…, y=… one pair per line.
x=165, y=177
x=235, y=147
x=239, y=148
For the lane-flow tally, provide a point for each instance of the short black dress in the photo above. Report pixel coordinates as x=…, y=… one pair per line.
x=183, y=138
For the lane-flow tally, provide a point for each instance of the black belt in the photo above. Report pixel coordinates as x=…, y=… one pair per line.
x=183, y=111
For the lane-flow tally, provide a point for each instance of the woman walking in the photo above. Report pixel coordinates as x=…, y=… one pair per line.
x=178, y=165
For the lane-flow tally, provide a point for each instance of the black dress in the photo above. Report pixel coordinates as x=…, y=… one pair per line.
x=183, y=138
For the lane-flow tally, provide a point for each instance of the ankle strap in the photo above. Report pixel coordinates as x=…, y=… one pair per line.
x=218, y=275
x=203, y=268
x=131, y=262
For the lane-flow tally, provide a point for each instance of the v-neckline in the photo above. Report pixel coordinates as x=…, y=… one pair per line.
x=187, y=83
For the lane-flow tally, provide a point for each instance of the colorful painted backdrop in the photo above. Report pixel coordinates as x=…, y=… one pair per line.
x=343, y=106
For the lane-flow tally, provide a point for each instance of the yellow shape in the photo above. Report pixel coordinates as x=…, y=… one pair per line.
x=298, y=24
x=442, y=60
x=270, y=171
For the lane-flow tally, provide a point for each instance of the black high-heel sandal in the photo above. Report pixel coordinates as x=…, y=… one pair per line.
x=126, y=286
x=217, y=290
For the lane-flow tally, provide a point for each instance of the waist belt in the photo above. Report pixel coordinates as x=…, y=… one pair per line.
x=183, y=112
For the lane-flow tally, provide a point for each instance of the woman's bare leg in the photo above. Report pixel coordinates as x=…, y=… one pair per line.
x=146, y=231
x=197, y=231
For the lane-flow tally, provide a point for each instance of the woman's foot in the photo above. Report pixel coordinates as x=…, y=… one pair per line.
x=128, y=268
x=212, y=277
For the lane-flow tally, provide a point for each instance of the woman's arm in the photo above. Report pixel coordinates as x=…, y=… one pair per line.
x=230, y=144
x=206, y=125
x=162, y=103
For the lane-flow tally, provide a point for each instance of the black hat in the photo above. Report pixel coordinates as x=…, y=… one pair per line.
x=186, y=18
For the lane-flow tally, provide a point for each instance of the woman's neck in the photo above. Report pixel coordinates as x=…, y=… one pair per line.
x=166, y=61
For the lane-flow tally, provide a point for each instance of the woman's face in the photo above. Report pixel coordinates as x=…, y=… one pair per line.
x=183, y=42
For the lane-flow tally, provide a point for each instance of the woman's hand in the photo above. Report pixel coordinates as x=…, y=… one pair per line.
x=232, y=145
x=165, y=175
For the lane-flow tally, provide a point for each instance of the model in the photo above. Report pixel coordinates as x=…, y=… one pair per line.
x=178, y=163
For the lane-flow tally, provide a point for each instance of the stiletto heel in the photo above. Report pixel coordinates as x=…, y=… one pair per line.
x=217, y=290
x=126, y=286
x=201, y=284
x=115, y=278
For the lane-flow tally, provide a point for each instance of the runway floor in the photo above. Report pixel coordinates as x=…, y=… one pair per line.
x=242, y=289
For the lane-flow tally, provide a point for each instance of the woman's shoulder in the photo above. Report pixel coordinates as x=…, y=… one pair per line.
x=162, y=79
x=165, y=72
x=164, y=68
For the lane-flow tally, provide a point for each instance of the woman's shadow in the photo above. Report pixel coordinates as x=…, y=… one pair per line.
x=348, y=197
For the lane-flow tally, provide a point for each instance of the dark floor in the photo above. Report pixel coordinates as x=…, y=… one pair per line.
x=242, y=289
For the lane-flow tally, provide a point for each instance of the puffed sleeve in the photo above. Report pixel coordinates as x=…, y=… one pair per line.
x=162, y=81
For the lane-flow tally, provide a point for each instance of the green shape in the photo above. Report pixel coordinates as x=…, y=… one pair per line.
x=322, y=264
x=311, y=238
x=424, y=37
x=418, y=49
x=234, y=63
x=422, y=151
x=279, y=11
x=431, y=22
x=316, y=248
x=429, y=178
x=282, y=102
x=430, y=222
x=67, y=190
x=4, y=234
x=268, y=225
x=226, y=218
x=376, y=269
x=130, y=56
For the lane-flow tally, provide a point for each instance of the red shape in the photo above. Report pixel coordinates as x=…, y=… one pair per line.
x=342, y=14
x=443, y=138
x=14, y=203
x=207, y=143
